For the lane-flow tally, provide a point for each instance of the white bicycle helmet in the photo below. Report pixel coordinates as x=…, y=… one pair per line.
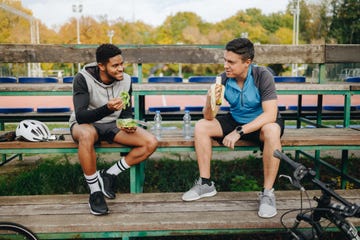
x=33, y=130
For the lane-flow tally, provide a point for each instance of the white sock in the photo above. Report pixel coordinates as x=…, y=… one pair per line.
x=118, y=167
x=93, y=182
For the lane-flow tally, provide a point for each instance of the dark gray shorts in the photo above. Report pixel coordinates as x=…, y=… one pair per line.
x=228, y=125
x=106, y=131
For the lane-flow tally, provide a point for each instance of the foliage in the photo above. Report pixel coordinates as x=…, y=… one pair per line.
x=321, y=21
x=189, y=28
x=59, y=176
x=345, y=25
x=241, y=183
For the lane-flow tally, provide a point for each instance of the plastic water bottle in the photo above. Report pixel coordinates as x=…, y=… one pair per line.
x=157, y=124
x=187, y=125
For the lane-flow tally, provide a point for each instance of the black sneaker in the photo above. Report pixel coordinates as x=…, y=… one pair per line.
x=97, y=204
x=107, y=183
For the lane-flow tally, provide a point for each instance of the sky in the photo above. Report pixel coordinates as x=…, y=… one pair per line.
x=154, y=12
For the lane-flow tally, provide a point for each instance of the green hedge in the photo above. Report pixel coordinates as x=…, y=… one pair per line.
x=59, y=176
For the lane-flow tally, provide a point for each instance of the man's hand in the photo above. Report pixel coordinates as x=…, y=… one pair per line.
x=115, y=104
x=230, y=139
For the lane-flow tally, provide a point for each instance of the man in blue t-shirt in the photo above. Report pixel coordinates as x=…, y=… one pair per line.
x=251, y=94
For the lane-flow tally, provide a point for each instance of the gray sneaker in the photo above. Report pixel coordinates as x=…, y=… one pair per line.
x=199, y=190
x=267, y=208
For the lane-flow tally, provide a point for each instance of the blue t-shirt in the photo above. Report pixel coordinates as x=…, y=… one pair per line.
x=245, y=103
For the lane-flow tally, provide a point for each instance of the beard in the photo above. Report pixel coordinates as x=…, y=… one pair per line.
x=111, y=77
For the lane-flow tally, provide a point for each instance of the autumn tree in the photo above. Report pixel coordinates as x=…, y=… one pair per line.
x=13, y=27
x=174, y=26
x=320, y=19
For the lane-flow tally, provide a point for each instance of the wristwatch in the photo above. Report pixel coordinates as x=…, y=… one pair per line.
x=239, y=130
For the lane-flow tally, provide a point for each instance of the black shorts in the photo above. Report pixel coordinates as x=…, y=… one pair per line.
x=228, y=125
x=106, y=131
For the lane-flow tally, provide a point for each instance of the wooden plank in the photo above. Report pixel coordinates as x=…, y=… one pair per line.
x=191, y=87
x=48, y=87
x=24, y=53
x=313, y=87
x=51, y=53
x=291, y=137
x=174, y=54
x=342, y=53
x=271, y=54
x=355, y=87
x=150, y=212
x=175, y=87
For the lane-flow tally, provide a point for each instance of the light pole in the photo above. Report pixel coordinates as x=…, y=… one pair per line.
x=180, y=64
x=77, y=8
x=296, y=12
x=34, y=69
x=110, y=35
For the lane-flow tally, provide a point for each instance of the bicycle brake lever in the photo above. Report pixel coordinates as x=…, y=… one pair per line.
x=287, y=177
x=293, y=182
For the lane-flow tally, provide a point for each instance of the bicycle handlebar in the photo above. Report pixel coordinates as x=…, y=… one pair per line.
x=300, y=171
x=278, y=154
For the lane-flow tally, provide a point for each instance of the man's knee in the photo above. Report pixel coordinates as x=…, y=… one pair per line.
x=151, y=143
x=270, y=132
x=85, y=134
x=201, y=126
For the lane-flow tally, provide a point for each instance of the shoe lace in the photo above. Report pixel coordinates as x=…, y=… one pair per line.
x=265, y=199
x=197, y=181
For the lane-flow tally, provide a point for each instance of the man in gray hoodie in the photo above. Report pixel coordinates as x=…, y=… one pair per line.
x=97, y=106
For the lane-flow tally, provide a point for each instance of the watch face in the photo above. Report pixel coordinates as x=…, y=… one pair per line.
x=238, y=129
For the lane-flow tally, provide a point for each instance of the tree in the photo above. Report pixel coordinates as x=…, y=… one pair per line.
x=174, y=26
x=319, y=22
x=345, y=25
x=282, y=36
x=304, y=22
x=305, y=31
x=132, y=33
x=13, y=26
x=192, y=35
x=275, y=21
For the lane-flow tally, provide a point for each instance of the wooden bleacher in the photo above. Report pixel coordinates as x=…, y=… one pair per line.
x=165, y=214
x=152, y=214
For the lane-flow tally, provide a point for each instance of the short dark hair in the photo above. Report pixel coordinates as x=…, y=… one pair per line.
x=243, y=47
x=106, y=51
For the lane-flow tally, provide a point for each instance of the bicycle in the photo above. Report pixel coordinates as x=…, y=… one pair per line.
x=336, y=213
x=9, y=230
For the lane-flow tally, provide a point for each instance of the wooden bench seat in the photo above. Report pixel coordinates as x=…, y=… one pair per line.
x=152, y=214
x=342, y=138
x=170, y=116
